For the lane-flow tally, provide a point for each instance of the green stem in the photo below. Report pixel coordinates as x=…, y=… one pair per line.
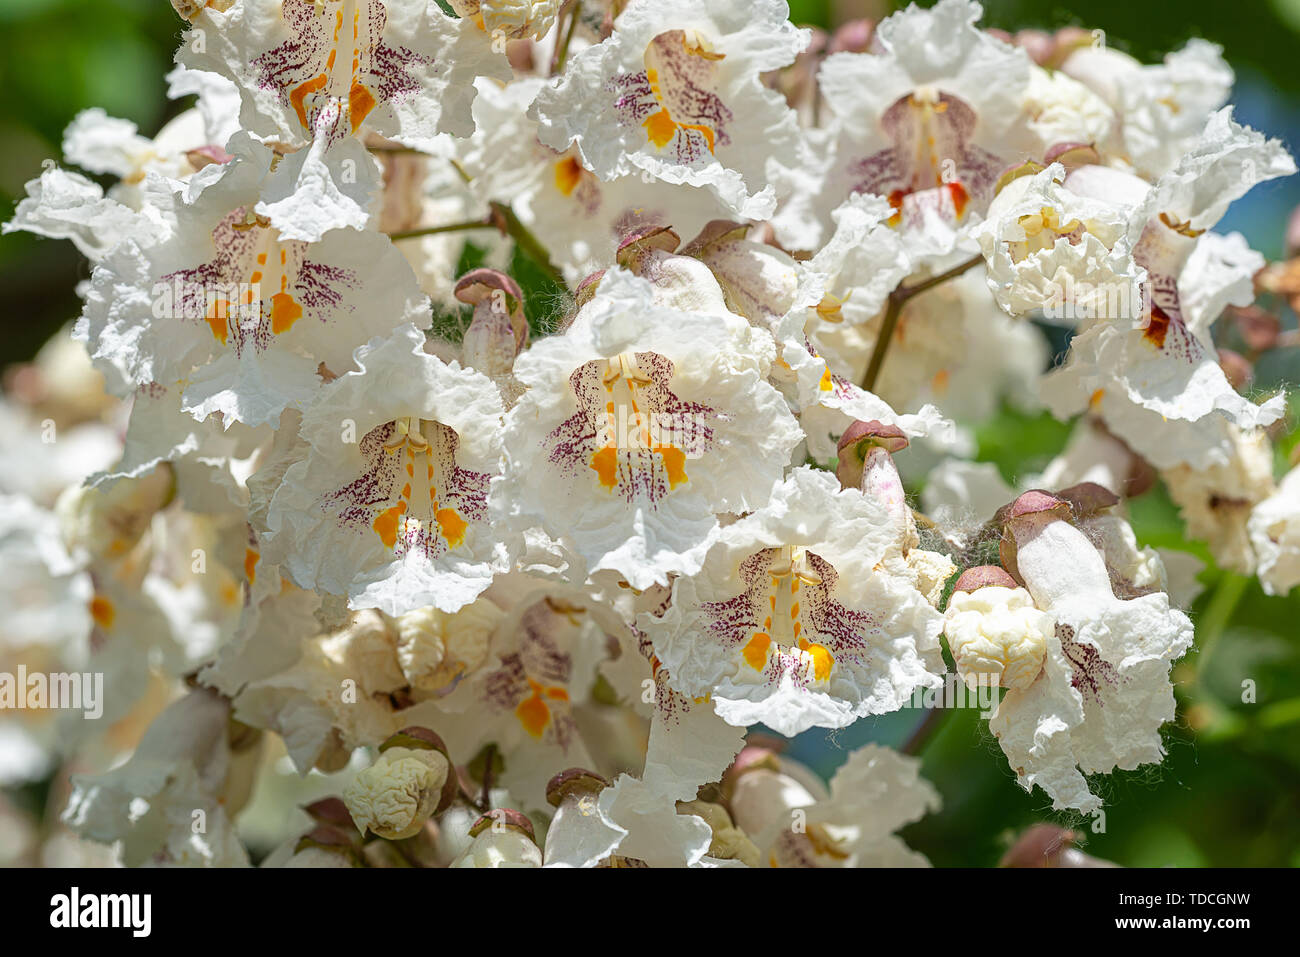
x=504, y=218
x=1215, y=618
x=563, y=53
x=449, y=228
x=897, y=299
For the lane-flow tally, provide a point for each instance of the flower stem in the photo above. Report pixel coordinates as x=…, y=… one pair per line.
x=504, y=219
x=897, y=299
x=485, y=223
x=923, y=733
x=562, y=53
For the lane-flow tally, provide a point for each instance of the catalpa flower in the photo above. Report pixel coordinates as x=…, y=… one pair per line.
x=191, y=759
x=690, y=745
x=1139, y=374
x=315, y=74
x=389, y=505
x=797, y=822
x=675, y=92
x=1274, y=528
x=1103, y=692
x=228, y=306
x=1057, y=252
x=542, y=663
x=1160, y=108
x=578, y=216
x=511, y=19
x=641, y=423
x=793, y=622
x=928, y=120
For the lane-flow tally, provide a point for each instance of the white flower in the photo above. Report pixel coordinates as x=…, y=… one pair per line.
x=1274, y=527
x=229, y=306
x=63, y=205
x=1160, y=108
x=1216, y=499
x=314, y=75
x=641, y=423
x=1104, y=690
x=186, y=762
x=435, y=648
x=389, y=506
x=928, y=121
x=525, y=698
x=1137, y=375
x=792, y=622
x=514, y=19
x=675, y=92
x=1053, y=250
x=689, y=746
x=796, y=822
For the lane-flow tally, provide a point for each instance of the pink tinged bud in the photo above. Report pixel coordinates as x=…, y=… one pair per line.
x=332, y=840
x=587, y=288
x=852, y=37
x=865, y=463
x=1069, y=39
x=1040, y=45
x=1033, y=502
x=1056, y=561
x=206, y=156
x=504, y=817
x=1046, y=845
x=717, y=232
x=330, y=810
x=520, y=54
x=573, y=784
x=983, y=576
x=499, y=329
x=1072, y=155
x=1237, y=368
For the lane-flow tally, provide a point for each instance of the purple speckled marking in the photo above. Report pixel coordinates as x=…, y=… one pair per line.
x=316, y=287
x=895, y=172
x=681, y=85
x=1091, y=674
x=641, y=473
x=360, y=502
x=840, y=630
x=539, y=659
x=1166, y=329
x=382, y=68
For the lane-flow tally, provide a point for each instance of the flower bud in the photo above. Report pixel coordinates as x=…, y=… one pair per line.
x=1033, y=502
x=996, y=635
x=1046, y=845
x=1072, y=155
x=410, y=781
x=502, y=838
x=499, y=329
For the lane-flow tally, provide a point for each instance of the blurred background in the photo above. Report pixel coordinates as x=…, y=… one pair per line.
x=1229, y=792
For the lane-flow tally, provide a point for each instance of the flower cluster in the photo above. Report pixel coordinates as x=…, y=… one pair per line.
x=498, y=414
